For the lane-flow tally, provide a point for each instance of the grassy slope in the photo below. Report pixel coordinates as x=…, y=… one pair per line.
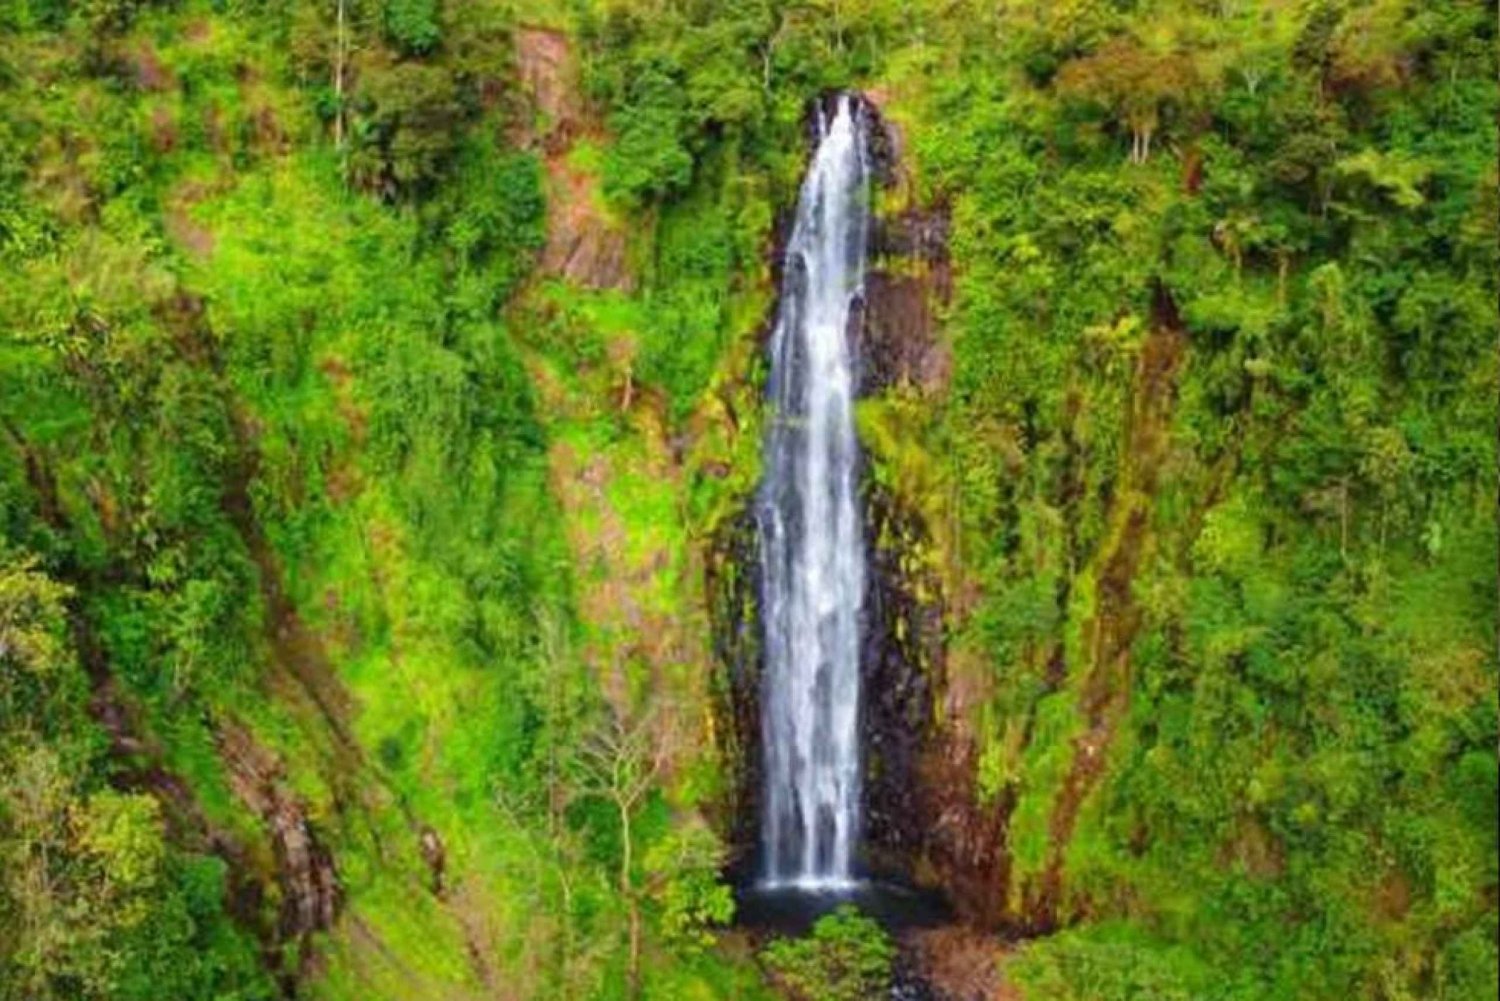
x=410, y=485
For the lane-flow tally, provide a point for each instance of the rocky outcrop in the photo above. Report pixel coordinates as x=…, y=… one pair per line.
x=732, y=572
x=310, y=893
x=903, y=657
x=583, y=245
x=910, y=274
x=901, y=663
x=965, y=850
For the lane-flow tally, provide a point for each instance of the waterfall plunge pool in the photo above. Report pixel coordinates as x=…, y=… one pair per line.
x=791, y=908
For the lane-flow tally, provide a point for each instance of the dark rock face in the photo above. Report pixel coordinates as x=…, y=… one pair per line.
x=909, y=276
x=732, y=585
x=582, y=245
x=966, y=850
x=900, y=667
x=899, y=346
x=902, y=647
x=310, y=892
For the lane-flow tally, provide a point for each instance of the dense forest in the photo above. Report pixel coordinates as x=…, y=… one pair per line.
x=381, y=396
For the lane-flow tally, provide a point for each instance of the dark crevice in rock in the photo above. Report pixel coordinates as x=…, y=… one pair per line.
x=733, y=587
x=310, y=892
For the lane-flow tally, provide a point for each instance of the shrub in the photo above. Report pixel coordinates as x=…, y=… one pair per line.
x=846, y=958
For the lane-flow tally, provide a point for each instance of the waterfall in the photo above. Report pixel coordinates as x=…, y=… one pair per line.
x=811, y=537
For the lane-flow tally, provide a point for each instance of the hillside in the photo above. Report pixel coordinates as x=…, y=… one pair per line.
x=382, y=405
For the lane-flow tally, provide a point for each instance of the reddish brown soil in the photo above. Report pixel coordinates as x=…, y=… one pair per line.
x=964, y=964
x=583, y=244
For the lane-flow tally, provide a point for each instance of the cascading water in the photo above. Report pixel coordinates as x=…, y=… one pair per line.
x=811, y=537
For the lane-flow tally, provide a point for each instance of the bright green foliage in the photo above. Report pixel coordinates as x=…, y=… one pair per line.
x=648, y=159
x=1108, y=964
x=280, y=443
x=846, y=957
x=412, y=24
x=679, y=79
x=1281, y=812
x=94, y=901
x=286, y=426
x=684, y=866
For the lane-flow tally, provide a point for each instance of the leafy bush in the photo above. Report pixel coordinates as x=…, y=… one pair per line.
x=847, y=957
x=648, y=159
x=413, y=24
x=682, y=869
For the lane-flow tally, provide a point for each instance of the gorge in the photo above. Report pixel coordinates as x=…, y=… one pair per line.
x=496, y=498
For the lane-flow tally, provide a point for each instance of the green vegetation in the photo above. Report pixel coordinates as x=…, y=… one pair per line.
x=344, y=532
x=280, y=533
x=97, y=904
x=1223, y=424
x=846, y=957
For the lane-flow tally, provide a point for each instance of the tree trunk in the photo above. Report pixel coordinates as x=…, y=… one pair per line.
x=1344, y=519
x=632, y=906
x=635, y=948
x=338, y=82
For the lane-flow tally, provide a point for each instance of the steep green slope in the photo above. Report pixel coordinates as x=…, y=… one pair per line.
x=317, y=688
x=1221, y=440
x=1209, y=478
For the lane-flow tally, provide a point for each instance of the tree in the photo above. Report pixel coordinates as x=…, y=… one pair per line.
x=407, y=125
x=1134, y=83
x=682, y=872
x=340, y=59
x=622, y=760
x=412, y=24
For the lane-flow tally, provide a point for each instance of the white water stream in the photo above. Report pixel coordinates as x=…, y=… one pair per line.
x=811, y=538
